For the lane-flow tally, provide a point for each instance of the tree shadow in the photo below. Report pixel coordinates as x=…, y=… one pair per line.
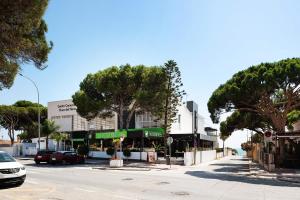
x=239, y=178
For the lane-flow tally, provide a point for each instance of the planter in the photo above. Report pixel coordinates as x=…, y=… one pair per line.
x=116, y=163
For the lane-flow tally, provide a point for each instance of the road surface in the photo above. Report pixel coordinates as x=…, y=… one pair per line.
x=225, y=179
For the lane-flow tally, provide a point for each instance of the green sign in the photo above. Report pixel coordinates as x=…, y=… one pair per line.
x=111, y=135
x=150, y=132
x=153, y=132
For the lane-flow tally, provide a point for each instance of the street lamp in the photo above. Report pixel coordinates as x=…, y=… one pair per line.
x=39, y=112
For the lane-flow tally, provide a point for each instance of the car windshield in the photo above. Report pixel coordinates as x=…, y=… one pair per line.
x=4, y=157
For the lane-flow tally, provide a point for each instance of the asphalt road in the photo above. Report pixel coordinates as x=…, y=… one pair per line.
x=225, y=179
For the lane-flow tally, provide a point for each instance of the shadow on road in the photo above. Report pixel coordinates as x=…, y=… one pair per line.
x=238, y=178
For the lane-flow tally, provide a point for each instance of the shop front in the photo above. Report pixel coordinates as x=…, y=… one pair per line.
x=139, y=141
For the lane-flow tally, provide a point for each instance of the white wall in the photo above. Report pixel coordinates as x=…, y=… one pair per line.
x=64, y=114
x=201, y=124
x=59, y=109
x=186, y=119
x=51, y=143
x=201, y=157
x=134, y=155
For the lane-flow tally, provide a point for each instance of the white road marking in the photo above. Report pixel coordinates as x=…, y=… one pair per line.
x=85, y=190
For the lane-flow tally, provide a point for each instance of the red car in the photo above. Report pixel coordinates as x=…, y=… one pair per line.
x=43, y=156
x=64, y=157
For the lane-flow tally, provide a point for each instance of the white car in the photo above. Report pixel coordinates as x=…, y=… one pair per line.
x=11, y=172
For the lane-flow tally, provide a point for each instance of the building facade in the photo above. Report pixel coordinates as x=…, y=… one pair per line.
x=146, y=134
x=64, y=114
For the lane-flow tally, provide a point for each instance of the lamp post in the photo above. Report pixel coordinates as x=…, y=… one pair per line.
x=39, y=112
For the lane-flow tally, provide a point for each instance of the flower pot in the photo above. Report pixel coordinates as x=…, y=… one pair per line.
x=116, y=163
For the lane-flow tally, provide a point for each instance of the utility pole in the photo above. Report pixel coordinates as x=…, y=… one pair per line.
x=39, y=111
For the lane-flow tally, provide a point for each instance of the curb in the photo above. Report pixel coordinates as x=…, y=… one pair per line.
x=290, y=180
x=122, y=169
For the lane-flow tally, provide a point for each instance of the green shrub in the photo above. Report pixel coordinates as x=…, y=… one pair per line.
x=110, y=151
x=127, y=153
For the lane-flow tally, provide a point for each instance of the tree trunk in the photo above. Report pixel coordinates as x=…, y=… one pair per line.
x=223, y=148
x=279, y=161
x=129, y=117
x=47, y=140
x=121, y=112
x=57, y=148
x=166, y=135
x=11, y=136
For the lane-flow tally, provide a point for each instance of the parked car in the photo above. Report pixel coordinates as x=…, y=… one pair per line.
x=43, y=156
x=64, y=157
x=11, y=172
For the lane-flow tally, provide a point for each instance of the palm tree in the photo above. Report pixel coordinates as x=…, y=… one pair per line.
x=49, y=127
x=58, y=137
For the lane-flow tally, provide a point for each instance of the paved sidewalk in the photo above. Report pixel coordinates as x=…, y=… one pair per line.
x=288, y=175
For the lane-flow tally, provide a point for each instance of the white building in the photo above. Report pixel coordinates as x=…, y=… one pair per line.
x=64, y=114
x=187, y=125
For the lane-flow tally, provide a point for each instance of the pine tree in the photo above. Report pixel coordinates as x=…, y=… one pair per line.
x=173, y=97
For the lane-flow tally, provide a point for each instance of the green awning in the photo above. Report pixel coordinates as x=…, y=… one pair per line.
x=111, y=135
x=147, y=132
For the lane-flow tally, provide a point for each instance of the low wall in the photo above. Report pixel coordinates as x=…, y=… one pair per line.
x=201, y=157
x=21, y=149
x=220, y=155
x=134, y=155
x=9, y=150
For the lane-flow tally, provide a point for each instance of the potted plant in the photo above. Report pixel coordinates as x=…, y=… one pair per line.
x=114, y=161
x=110, y=151
x=127, y=153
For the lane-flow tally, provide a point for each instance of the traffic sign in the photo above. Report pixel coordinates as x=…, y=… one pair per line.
x=169, y=141
x=268, y=136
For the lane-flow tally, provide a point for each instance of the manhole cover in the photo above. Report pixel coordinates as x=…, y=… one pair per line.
x=127, y=179
x=163, y=183
x=182, y=193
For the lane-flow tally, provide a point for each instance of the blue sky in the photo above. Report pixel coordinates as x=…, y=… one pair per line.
x=210, y=40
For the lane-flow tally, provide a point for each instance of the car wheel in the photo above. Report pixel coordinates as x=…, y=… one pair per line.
x=63, y=162
x=37, y=162
x=19, y=183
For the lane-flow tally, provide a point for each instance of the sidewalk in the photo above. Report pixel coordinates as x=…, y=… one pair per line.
x=136, y=166
x=145, y=166
x=288, y=175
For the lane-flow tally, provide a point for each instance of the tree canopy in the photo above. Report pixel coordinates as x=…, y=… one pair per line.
x=22, y=37
x=121, y=89
x=240, y=120
x=23, y=115
x=265, y=90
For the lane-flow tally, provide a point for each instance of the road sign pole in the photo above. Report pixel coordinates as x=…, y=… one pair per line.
x=170, y=154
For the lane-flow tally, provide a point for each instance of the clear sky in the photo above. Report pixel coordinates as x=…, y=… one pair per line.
x=210, y=40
